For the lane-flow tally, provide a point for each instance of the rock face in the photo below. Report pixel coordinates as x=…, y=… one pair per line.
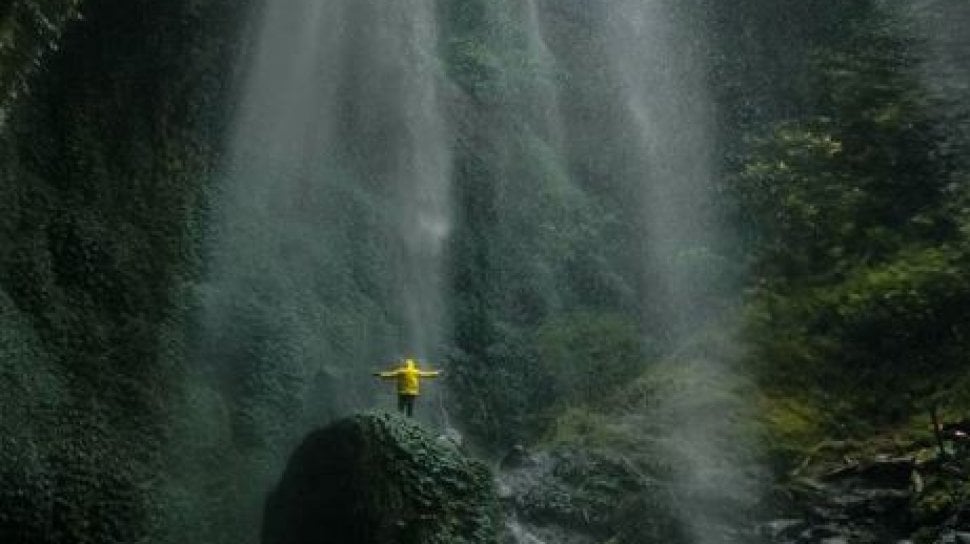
x=572, y=496
x=858, y=501
x=853, y=494
x=380, y=479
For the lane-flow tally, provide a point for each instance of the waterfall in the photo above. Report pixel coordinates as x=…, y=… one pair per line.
x=944, y=45
x=328, y=229
x=661, y=68
x=623, y=100
x=589, y=125
x=660, y=55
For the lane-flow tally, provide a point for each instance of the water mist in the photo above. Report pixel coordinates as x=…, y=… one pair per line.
x=328, y=230
x=327, y=251
x=660, y=53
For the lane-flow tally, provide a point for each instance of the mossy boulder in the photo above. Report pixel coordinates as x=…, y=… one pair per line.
x=381, y=479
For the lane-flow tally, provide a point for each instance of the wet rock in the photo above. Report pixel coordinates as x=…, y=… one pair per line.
x=954, y=537
x=857, y=500
x=882, y=471
x=572, y=496
x=452, y=437
x=781, y=529
x=381, y=479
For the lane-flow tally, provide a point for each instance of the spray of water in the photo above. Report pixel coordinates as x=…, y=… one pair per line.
x=329, y=227
x=660, y=58
x=331, y=224
x=941, y=25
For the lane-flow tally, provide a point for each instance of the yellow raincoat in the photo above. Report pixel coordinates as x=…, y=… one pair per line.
x=408, y=377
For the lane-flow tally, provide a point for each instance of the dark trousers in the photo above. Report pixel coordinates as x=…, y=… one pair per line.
x=405, y=404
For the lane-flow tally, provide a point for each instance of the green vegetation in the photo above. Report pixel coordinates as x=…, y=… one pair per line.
x=858, y=264
x=389, y=481
x=533, y=245
x=845, y=186
x=102, y=177
x=586, y=355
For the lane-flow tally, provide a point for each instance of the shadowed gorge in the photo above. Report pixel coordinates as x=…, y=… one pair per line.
x=693, y=271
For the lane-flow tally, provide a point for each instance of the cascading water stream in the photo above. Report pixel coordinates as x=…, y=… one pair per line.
x=660, y=56
x=330, y=224
x=327, y=256
x=660, y=68
x=644, y=63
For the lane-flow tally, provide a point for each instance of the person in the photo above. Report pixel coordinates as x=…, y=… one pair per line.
x=408, y=377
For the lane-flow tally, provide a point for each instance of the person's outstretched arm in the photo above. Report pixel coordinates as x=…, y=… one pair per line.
x=429, y=373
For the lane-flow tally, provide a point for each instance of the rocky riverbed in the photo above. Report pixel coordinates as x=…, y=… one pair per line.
x=881, y=492
x=843, y=492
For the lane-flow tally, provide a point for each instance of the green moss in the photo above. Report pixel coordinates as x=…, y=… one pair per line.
x=791, y=426
x=103, y=167
x=586, y=427
x=589, y=355
x=382, y=479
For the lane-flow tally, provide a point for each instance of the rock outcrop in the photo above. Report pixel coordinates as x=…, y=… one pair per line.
x=381, y=479
x=573, y=496
x=874, y=493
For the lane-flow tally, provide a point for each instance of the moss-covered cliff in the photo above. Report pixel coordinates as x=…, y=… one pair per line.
x=103, y=165
x=112, y=117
